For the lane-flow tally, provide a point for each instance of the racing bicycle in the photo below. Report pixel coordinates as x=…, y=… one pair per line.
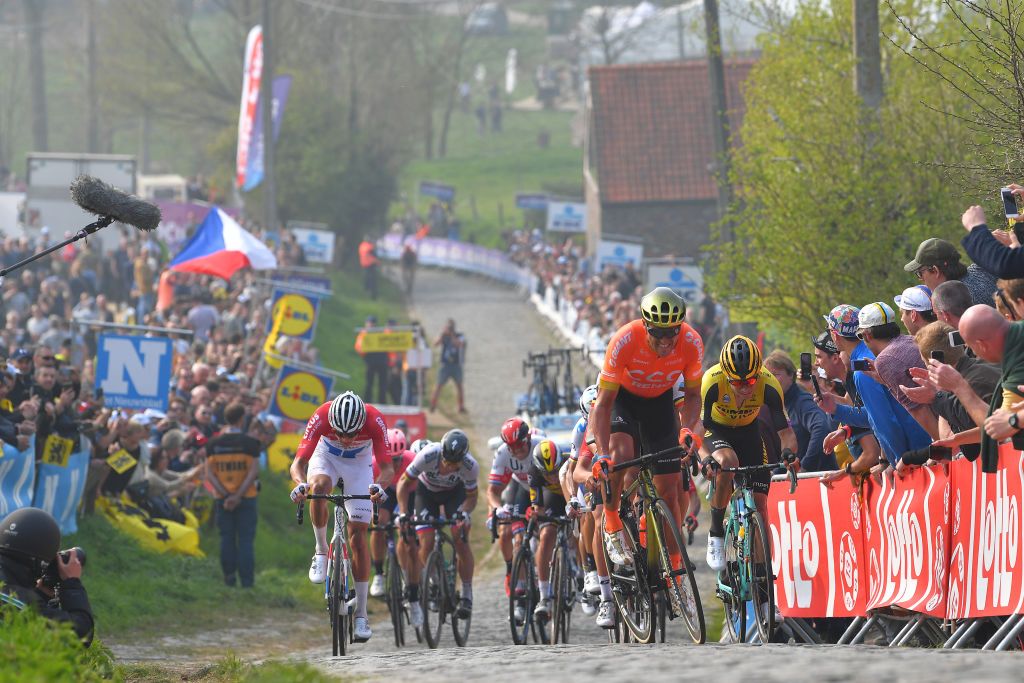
x=338, y=588
x=438, y=594
x=395, y=584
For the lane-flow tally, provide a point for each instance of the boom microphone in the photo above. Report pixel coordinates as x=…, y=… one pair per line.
x=96, y=196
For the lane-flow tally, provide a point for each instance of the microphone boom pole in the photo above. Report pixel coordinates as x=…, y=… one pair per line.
x=81, y=234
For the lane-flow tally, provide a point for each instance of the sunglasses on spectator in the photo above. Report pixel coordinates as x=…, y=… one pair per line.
x=663, y=332
x=920, y=271
x=743, y=382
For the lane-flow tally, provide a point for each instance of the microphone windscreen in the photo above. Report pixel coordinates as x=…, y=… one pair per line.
x=96, y=196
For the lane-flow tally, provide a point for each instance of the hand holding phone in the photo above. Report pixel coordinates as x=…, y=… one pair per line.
x=863, y=365
x=805, y=367
x=939, y=355
x=1009, y=202
x=955, y=339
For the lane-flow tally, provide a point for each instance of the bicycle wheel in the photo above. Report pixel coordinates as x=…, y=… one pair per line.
x=761, y=589
x=731, y=587
x=395, y=594
x=338, y=602
x=432, y=598
x=661, y=615
x=521, y=601
x=460, y=627
x=631, y=588
x=683, y=597
x=559, y=616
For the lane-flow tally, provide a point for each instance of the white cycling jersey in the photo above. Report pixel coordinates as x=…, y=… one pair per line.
x=426, y=467
x=506, y=467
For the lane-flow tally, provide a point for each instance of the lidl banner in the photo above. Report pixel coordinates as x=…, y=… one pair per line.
x=300, y=313
x=386, y=341
x=134, y=372
x=17, y=476
x=282, y=452
x=61, y=479
x=299, y=393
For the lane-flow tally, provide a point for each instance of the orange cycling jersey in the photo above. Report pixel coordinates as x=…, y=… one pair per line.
x=630, y=362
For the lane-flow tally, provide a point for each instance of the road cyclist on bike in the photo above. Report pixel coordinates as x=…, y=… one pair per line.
x=444, y=476
x=508, y=490
x=343, y=439
x=408, y=559
x=646, y=360
x=546, y=498
x=733, y=393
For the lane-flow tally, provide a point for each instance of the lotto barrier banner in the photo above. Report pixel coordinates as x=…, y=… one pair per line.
x=472, y=258
x=817, y=549
x=986, y=577
x=906, y=538
x=61, y=479
x=17, y=477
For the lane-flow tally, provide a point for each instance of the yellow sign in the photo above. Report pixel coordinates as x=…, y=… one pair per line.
x=387, y=341
x=299, y=394
x=57, y=450
x=298, y=314
x=121, y=461
x=282, y=452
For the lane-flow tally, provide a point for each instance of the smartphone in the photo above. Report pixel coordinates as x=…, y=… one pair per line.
x=862, y=364
x=817, y=387
x=1009, y=203
x=955, y=339
x=805, y=366
x=939, y=355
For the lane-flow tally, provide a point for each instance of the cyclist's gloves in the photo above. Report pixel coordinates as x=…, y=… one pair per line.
x=504, y=512
x=596, y=470
x=572, y=508
x=299, y=492
x=788, y=456
x=710, y=467
x=695, y=441
x=378, y=490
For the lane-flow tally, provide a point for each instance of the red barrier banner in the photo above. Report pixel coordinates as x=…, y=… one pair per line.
x=817, y=549
x=986, y=562
x=906, y=539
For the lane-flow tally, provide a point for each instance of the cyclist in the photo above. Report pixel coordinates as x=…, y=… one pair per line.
x=343, y=439
x=508, y=490
x=409, y=561
x=444, y=475
x=645, y=360
x=576, y=496
x=733, y=393
x=546, y=498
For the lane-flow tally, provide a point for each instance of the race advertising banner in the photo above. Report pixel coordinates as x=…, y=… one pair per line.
x=134, y=372
x=316, y=240
x=618, y=254
x=817, y=553
x=686, y=280
x=252, y=73
x=987, y=556
x=299, y=311
x=433, y=251
x=279, y=90
x=532, y=202
x=446, y=193
x=372, y=342
x=567, y=217
x=299, y=393
x=17, y=476
x=907, y=541
x=60, y=480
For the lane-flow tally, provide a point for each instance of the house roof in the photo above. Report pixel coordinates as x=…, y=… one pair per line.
x=651, y=135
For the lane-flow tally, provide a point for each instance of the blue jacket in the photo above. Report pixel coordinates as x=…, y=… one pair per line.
x=811, y=425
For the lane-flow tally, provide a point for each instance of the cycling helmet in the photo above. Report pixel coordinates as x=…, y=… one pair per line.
x=396, y=439
x=31, y=534
x=347, y=414
x=740, y=359
x=662, y=307
x=587, y=398
x=418, y=445
x=454, y=445
x=547, y=457
x=515, y=432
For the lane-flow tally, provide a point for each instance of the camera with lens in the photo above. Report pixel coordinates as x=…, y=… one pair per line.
x=51, y=575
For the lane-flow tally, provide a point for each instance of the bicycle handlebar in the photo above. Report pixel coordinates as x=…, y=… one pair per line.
x=496, y=522
x=337, y=499
x=791, y=473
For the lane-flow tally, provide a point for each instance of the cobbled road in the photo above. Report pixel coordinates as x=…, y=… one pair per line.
x=501, y=327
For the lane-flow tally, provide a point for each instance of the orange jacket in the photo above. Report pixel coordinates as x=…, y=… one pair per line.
x=366, y=256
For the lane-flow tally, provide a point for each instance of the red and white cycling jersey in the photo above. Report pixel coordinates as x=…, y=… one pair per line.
x=407, y=457
x=370, y=444
x=507, y=467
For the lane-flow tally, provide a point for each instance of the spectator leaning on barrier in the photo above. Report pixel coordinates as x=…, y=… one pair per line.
x=915, y=305
x=950, y=300
x=938, y=261
x=233, y=465
x=810, y=423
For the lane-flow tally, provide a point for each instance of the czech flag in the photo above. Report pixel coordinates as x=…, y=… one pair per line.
x=220, y=246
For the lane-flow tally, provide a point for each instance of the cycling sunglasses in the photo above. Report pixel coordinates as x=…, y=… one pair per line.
x=663, y=332
x=743, y=382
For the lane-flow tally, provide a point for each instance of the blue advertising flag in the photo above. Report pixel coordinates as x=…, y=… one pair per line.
x=17, y=476
x=254, y=168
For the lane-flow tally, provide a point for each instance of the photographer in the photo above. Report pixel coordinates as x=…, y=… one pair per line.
x=29, y=546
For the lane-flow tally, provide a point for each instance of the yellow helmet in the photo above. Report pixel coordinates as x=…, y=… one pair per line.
x=546, y=456
x=662, y=307
x=740, y=359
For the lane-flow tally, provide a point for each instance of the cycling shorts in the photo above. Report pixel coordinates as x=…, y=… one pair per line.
x=355, y=473
x=517, y=496
x=551, y=504
x=754, y=444
x=391, y=505
x=652, y=423
x=429, y=503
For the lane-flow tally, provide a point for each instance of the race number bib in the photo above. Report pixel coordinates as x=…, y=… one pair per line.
x=57, y=450
x=121, y=461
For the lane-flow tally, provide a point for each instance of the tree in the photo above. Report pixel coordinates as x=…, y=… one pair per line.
x=35, y=11
x=830, y=204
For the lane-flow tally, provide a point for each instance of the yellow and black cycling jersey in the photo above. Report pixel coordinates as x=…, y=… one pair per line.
x=722, y=408
x=539, y=482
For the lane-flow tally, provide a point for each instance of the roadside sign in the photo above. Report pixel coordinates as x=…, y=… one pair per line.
x=532, y=202
x=686, y=280
x=446, y=193
x=567, y=217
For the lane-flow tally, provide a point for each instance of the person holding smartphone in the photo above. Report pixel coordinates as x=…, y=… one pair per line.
x=938, y=261
x=998, y=252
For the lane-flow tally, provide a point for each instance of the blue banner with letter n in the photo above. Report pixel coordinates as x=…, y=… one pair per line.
x=134, y=372
x=17, y=476
x=61, y=479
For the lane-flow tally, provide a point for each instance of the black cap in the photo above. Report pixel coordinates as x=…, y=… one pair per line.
x=824, y=342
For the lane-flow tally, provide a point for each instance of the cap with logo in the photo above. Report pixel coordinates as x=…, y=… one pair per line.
x=875, y=314
x=21, y=353
x=823, y=342
x=933, y=252
x=843, y=319
x=916, y=298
